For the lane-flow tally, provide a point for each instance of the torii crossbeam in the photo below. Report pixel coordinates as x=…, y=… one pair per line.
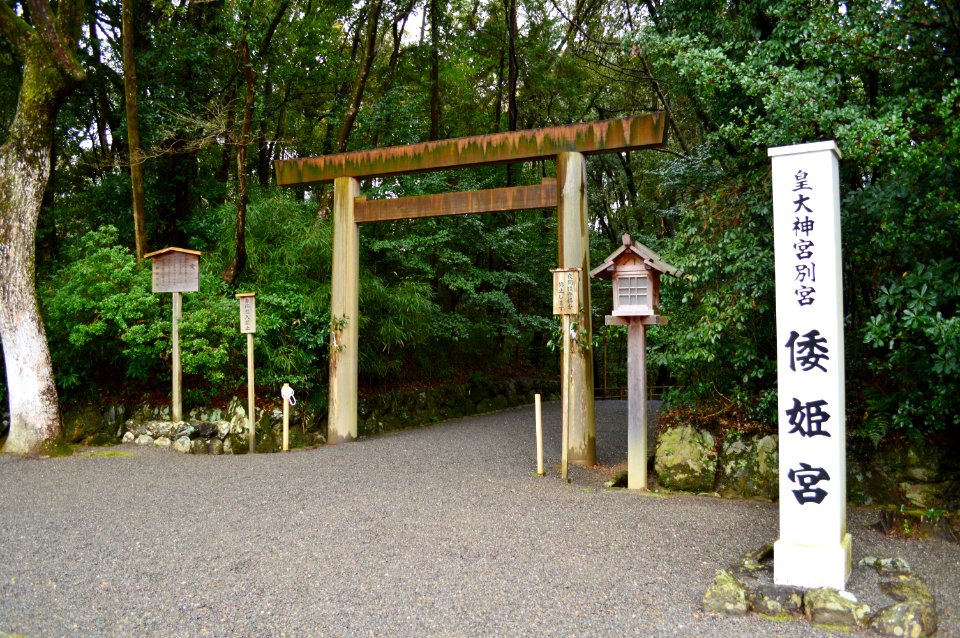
x=568, y=145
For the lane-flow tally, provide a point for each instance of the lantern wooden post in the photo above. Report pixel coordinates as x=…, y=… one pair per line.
x=636, y=405
x=344, y=313
x=248, y=326
x=635, y=271
x=176, y=270
x=574, y=252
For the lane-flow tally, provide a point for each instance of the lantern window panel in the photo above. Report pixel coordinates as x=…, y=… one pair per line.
x=633, y=291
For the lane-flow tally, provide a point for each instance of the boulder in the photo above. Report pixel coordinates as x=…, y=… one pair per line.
x=726, y=595
x=905, y=588
x=144, y=439
x=81, y=424
x=182, y=444
x=128, y=437
x=748, y=467
x=778, y=601
x=935, y=495
x=686, y=459
x=887, y=566
x=909, y=619
x=834, y=609
x=162, y=442
x=113, y=417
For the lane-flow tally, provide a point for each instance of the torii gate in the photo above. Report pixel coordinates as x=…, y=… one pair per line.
x=567, y=144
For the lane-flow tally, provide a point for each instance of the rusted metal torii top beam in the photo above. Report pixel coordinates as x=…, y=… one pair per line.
x=642, y=131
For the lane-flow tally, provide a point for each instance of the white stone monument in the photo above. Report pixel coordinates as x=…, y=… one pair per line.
x=814, y=547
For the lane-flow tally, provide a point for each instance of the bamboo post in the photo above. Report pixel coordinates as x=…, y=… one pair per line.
x=176, y=407
x=287, y=393
x=539, y=415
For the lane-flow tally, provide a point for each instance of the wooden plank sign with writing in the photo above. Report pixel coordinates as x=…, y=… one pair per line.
x=248, y=312
x=566, y=291
x=175, y=270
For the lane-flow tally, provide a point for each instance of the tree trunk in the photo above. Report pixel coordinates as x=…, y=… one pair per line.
x=369, y=53
x=513, y=72
x=133, y=130
x=434, y=70
x=243, y=189
x=48, y=46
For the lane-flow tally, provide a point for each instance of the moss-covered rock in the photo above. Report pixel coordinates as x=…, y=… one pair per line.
x=748, y=467
x=726, y=595
x=831, y=608
x=777, y=601
x=686, y=459
x=909, y=619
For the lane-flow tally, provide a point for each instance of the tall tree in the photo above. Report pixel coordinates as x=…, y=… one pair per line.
x=434, y=70
x=369, y=53
x=243, y=181
x=133, y=127
x=47, y=44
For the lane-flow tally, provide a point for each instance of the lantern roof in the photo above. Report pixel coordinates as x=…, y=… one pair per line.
x=630, y=247
x=171, y=249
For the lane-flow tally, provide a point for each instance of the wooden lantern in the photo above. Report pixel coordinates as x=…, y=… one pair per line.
x=635, y=271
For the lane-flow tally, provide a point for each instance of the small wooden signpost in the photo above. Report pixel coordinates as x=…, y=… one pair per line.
x=635, y=271
x=176, y=270
x=248, y=326
x=566, y=302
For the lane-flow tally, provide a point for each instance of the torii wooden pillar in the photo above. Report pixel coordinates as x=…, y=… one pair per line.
x=566, y=144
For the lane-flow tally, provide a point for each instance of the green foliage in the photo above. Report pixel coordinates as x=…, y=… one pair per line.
x=101, y=317
x=875, y=77
x=110, y=335
x=453, y=296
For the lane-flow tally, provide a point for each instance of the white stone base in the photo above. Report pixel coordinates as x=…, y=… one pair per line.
x=812, y=565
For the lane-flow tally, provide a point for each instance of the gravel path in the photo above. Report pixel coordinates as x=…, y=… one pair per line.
x=440, y=531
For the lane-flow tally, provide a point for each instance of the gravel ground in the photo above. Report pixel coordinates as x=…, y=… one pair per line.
x=439, y=531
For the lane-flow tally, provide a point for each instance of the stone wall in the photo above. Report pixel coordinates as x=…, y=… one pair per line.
x=918, y=474
x=224, y=430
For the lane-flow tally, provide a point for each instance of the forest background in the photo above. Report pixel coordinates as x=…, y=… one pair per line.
x=190, y=102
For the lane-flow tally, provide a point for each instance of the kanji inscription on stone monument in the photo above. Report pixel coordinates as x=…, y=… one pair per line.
x=814, y=547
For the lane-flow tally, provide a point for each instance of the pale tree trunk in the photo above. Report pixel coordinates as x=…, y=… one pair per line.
x=133, y=130
x=48, y=46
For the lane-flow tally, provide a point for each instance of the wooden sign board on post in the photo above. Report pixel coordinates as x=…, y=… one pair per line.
x=248, y=326
x=566, y=291
x=566, y=303
x=248, y=312
x=175, y=270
